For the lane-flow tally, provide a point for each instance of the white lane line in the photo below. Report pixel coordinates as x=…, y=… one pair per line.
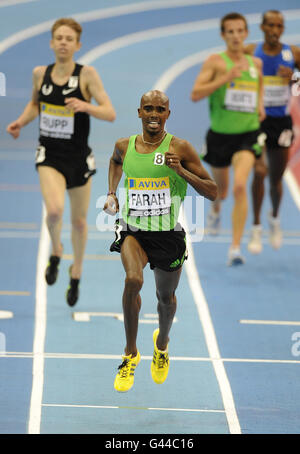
x=115, y=407
x=228, y=239
x=99, y=236
x=4, y=3
x=6, y=315
x=27, y=234
x=174, y=71
x=86, y=317
x=142, y=7
x=94, y=257
x=270, y=322
x=210, y=337
x=169, y=30
x=99, y=356
x=39, y=331
x=124, y=10
x=166, y=31
x=265, y=233
x=293, y=186
x=102, y=13
x=154, y=33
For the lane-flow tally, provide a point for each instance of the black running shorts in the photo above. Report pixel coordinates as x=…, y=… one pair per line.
x=76, y=168
x=221, y=147
x=165, y=250
x=279, y=132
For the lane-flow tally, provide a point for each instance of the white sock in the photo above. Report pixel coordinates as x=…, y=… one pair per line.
x=257, y=227
x=235, y=249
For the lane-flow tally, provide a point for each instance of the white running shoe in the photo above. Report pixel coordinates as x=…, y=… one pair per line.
x=213, y=223
x=235, y=257
x=255, y=244
x=275, y=235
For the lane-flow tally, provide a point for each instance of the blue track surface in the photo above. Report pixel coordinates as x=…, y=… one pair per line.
x=215, y=354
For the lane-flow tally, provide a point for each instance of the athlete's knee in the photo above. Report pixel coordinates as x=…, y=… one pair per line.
x=165, y=296
x=275, y=184
x=79, y=224
x=54, y=214
x=222, y=193
x=260, y=171
x=239, y=190
x=133, y=282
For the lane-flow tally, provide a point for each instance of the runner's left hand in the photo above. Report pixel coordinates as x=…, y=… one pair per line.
x=285, y=71
x=172, y=161
x=76, y=105
x=111, y=205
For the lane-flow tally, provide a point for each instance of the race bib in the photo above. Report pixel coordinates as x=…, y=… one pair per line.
x=56, y=121
x=149, y=196
x=241, y=96
x=276, y=91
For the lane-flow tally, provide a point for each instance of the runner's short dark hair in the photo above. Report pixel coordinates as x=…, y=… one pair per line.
x=271, y=11
x=232, y=16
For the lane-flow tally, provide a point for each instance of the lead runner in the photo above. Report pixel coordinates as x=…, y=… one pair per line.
x=157, y=166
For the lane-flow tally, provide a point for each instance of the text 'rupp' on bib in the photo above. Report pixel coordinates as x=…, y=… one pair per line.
x=56, y=121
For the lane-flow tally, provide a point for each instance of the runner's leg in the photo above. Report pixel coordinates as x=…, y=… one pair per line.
x=242, y=162
x=278, y=159
x=221, y=177
x=166, y=284
x=258, y=188
x=134, y=260
x=53, y=186
x=79, y=202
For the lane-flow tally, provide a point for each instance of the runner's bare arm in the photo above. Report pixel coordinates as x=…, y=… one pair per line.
x=211, y=77
x=103, y=109
x=184, y=160
x=261, y=108
x=115, y=174
x=31, y=110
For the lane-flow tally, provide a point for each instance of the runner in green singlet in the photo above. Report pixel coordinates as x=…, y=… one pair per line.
x=233, y=83
x=157, y=167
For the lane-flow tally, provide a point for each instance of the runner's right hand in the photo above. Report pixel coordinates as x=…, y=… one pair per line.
x=14, y=129
x=111, y=205
x=235, y=72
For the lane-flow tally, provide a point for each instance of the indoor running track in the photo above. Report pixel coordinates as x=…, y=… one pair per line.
x=234, y=344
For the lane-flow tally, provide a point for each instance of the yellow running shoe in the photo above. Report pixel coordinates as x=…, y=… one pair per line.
x=125, y=377
x=160, y=363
